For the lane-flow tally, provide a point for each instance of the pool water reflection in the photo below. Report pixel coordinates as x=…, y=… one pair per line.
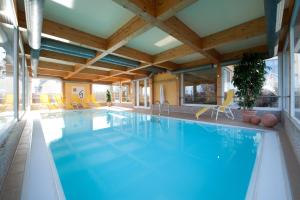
x=123, y=155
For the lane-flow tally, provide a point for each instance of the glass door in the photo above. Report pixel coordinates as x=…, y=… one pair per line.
x=142, y=94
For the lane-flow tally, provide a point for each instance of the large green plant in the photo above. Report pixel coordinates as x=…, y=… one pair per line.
x=108, y=96
x=249, y=77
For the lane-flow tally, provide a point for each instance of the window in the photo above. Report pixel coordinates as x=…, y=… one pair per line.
x=42, y=88
x=148, y=93
x=99, y=92
x=116, y=93
x=199, y=87
x=143, y=94
x=21, y=82
x=27, y=97
x=6, y=78
x=227, y=74
x=286, y=80
x=296, y=72
x=270, y=94
x=126, y=92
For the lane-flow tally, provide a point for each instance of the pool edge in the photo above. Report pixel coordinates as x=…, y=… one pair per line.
x=255, y=173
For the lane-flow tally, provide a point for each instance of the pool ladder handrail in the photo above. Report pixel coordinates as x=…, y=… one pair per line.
x=160, y=107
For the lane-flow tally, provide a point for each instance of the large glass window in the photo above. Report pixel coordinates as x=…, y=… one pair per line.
x=116, y=93
x=286, y=80
x=199, y=87
x=148, y=94
x=127, y=90
x=270, y=94
x=45, y=88
x=227, y=73
x=296, y=71
x=21, y=82
x=6, y=77
x=99, y=92
x=142, y=91
x=27, y=97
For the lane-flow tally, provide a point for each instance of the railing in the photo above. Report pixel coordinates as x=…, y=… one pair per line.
x=262, y=101
x=160, y=107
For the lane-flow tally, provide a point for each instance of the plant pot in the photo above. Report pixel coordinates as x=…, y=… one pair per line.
x=269, y=120
x=255, y=120
x=108, y=104
x=247, y=115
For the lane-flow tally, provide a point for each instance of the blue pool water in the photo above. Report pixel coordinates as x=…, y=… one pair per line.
x=122, y=155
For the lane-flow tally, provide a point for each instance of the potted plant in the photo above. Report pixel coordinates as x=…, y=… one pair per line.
x=248, y=78
x=108, y=98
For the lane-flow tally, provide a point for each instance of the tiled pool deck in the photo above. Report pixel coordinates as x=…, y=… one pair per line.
x=12, y=186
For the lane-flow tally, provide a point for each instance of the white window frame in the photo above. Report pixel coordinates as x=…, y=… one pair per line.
x=130, y=102
x=137, y=94
x=182, y=95
x=110, y=90
x=295, y=14
x=279, y=108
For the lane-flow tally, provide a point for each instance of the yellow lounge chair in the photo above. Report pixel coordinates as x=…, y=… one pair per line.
x=93, y=101
x=79, y=102
x=225, y=107
x=59, y=101
x=8, y=103
x=44, y=99
x=9, y=99
x=201, y=111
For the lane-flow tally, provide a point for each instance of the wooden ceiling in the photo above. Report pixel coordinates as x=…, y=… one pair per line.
x=148, y=14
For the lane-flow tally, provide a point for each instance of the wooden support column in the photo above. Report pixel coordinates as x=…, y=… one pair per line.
x=219, y=84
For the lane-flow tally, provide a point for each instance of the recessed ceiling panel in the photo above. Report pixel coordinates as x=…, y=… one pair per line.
x=97, y=17
x=206, y=17
x=244, y=44
x=188, y=58
x=153, y=41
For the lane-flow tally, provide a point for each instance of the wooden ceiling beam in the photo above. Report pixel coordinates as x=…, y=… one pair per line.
x=243, y=31
x=131, y=29
x=80, y=38
x=173, y=26
x=226, y=57
x=66, y=33
x=79, y=76
x=55, y=66
x=143, y=66
x=203, y=61
x=60, y=65
x=253, y=28
x=133, y=54
x=173, y=53
x=134, y=27
x=58, y=58
x=168, y=8
x=167, y=65
x=47, y=72
x=138, y=25
x=239, y=54
x=144, y=8
x=69, y=68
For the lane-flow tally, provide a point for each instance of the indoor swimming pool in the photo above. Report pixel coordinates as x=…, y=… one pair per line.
x=104, y=154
